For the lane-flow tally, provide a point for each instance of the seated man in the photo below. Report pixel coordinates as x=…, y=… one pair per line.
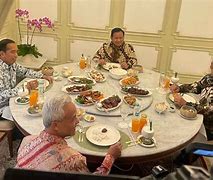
x=49, y=151
x=8, y=72
x=117, y=51
x=204, y=87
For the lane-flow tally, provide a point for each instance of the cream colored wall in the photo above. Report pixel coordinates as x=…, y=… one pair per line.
x=167, y=34
x=6, y=16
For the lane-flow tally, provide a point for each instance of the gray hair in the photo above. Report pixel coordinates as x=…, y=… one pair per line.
x=53, y=109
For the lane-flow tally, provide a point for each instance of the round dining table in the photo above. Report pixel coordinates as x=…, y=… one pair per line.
x=171, y=132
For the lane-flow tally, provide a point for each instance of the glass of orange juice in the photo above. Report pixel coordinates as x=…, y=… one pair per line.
x=135, y=125
x=33, y=98
x=143, y=121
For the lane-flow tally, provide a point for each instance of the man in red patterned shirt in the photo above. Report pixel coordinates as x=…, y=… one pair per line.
x=49, y=151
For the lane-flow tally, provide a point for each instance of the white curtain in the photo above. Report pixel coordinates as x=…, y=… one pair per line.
x=5, y=6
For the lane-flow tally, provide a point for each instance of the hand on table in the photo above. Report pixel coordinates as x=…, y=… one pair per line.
x=178, y=99
x=31, y=85
x=115, y=150
x=124, y=65
x=174, y=88
x=48, y=78
x=101, y=61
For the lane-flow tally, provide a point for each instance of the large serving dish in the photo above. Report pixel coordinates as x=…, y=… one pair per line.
x=117, y=73
x=88, y=98
x=81, y=80
x=103, y=135
x=186, y=97
x=76, y=88
x=109, y=103
x=136, y=91
x=129, y=81
x=109, y=66
x=97, y=76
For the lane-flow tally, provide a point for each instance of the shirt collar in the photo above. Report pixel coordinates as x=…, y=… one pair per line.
x=5, y=65
x=52, y=138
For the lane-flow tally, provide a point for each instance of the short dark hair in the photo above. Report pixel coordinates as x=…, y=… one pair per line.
x=114, y=30
x=4, y=43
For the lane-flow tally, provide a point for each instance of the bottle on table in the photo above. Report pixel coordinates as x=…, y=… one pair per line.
x=83, y=62
x=136, y=119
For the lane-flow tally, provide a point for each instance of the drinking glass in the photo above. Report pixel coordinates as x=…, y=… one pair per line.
x=33, y=98
x=124, y=110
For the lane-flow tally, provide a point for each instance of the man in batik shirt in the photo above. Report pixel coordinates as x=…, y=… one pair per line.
x=9, y=70
x=204, y=87
x=117, y=51
x=50, y=152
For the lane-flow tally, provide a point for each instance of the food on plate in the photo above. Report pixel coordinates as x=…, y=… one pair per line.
x=97, y=76
x=104, y=130
x=132, y=80
x=135, y=90
x=78, y=88
x=111, y=102
x=80, y=80
x=129, y=99
x=161, y=107
x=22, y=100
x=89, y=97
x=89, y=118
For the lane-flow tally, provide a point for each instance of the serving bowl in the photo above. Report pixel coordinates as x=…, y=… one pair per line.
x=161, y=107
x=188, y=111
x=117, y=73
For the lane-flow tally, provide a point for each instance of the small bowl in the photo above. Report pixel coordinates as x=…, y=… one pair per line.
x=80, y=113
x=188, y=111
x=138, y=68
x=89, y=118
x=117, y=73
x=48, y=71
x=161, y=107
x=175, y=80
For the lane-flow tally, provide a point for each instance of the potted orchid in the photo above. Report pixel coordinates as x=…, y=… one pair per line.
x=32, y=25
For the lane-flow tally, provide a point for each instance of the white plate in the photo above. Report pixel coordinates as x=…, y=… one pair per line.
x=186, y=97
x=64, y=89
x=27, y=102
x=145, y=145
x=120, y=82
x=109, y=66
x=188, y=118
x=107, y=110
x=46, y=82
x=104, y=77
x=34, y=114
x=70, y=79
x=95, y=135
x=149, y=94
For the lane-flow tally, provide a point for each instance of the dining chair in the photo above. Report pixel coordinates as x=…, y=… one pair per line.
x=6, y=128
